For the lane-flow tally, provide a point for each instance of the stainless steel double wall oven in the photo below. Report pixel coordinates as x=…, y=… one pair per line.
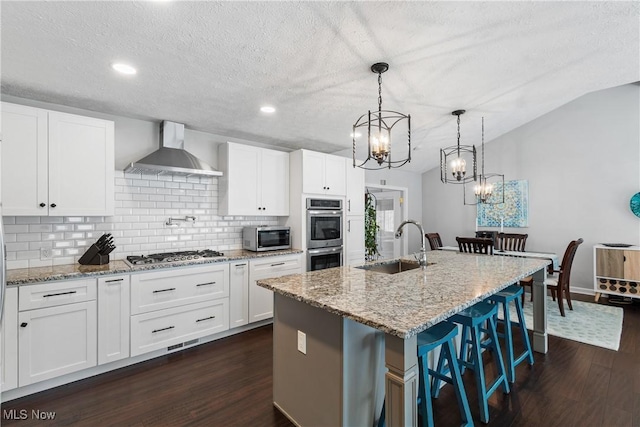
x=324, y=233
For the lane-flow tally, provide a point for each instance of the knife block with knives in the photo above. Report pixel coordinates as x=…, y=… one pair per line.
x=98, y=253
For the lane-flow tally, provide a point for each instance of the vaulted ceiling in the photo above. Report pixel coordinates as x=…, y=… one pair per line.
x=213, y=64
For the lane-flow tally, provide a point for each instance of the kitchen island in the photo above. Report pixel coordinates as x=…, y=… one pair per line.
x=332, y=326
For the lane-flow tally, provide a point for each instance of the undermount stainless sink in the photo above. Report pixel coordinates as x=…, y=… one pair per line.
x=392, y=267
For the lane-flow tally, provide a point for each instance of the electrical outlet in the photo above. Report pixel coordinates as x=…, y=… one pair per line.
x=45, y=254
x=302, y=342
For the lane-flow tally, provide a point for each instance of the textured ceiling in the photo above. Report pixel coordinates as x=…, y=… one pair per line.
x=211, y=65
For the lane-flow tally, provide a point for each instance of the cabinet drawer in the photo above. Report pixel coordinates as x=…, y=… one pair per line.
x=160, y=329
x=56, y=293
x=276, y=266
x=172, y=288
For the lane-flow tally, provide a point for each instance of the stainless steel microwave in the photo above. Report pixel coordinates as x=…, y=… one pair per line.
x=263, y=238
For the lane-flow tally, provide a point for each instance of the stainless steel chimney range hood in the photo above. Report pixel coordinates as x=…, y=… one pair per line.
x=171, y=158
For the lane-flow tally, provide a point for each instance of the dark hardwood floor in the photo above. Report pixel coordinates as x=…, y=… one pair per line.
x=228, y=383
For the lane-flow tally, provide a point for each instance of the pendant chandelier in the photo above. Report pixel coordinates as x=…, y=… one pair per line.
x=489, y=189
x=453, y=166
x=379, y=125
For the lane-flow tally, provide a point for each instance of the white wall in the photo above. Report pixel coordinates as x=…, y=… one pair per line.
x=582, y=162
x=413, y=182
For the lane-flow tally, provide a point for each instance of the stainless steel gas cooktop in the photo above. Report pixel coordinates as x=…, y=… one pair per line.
x=166, y=257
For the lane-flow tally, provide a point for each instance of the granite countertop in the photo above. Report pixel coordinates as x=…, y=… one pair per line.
x=406, y=303
x=22, y=276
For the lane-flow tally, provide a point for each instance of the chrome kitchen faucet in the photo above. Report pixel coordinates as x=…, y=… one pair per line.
x=423, y=250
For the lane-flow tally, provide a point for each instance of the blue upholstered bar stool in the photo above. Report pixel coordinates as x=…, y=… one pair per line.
x=506, y=296
x=440, y=335
x=473, y=320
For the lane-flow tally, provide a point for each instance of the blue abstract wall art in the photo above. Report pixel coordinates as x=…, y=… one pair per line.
x=514, y=212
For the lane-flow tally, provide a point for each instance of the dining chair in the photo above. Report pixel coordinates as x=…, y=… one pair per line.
x=434, y=240
x=475, y=245
x=515, y=242
x=486, y=234
x=560, y=286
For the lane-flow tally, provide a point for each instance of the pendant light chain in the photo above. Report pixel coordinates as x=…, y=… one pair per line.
x=379, y=101
x=379, y=92
x=483, y=146
x=458, y=135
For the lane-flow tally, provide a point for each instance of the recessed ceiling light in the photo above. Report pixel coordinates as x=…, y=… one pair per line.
x=268, y=109
x=123, y=68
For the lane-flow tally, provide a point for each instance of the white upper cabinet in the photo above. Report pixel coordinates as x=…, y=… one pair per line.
x=255, y=181
x=323, y=174
x=355, y=190
x=55, y=163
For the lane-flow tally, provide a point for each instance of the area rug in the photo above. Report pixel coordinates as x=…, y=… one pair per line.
x=589, y=323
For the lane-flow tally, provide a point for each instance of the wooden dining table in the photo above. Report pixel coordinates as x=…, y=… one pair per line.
x=555, y=263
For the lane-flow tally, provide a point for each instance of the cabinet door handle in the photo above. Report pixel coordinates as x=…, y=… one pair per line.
x=42, y=205
x=162, y=329
x=113, y=280
x=53, y=205
x=276, y=264
x=624, y=258
x=23, y=324
x=205, y=284
x=241, y=265
x=206, y=318
x=61, y=293
x=164, y=290
x=349, y=205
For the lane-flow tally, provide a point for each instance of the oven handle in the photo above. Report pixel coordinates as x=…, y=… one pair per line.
x=325, y=250
x=325, y=213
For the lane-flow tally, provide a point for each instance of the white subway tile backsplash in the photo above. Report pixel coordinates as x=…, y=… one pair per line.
x=74, y=235
x=28, y=220
x=143, y=205
x=28, y=237
x=23, y=228
x=22, y=263
x=15, y=247
x=52, y=236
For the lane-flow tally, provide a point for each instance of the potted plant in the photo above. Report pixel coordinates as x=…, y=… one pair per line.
x=371, y=228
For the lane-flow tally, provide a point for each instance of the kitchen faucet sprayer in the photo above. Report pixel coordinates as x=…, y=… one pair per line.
x=423, y=250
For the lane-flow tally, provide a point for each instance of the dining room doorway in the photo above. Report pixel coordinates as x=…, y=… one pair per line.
x=391, y=210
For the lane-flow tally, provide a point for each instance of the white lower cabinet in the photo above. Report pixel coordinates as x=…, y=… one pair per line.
x=238, y=294
x=56, y=340
x=113, y=318
x=51, y=329
x=164, y=328
x=171, y=307
x=9, y=343
x=261, y=299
